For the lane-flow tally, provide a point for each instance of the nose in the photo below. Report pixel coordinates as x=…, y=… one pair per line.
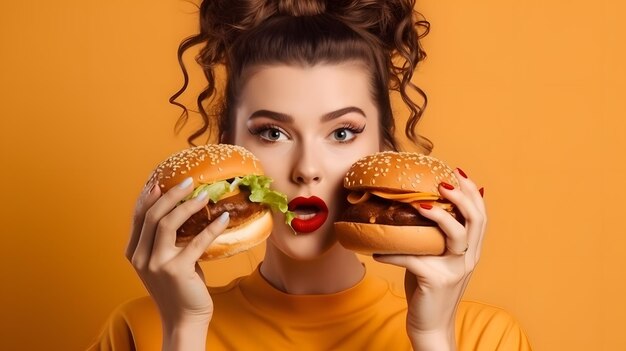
x=307, y=169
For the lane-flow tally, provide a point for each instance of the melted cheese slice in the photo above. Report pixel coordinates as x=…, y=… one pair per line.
x=359, y=197
x=413, y=199
x=407, y=197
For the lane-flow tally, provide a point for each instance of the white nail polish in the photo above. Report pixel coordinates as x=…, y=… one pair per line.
x=202, y=196
x=185, y=183
x=223, y=217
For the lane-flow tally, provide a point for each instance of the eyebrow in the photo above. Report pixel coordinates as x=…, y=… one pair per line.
x=282, y=117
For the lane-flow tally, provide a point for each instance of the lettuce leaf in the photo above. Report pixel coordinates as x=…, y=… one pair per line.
x=214, y=190
x=260, y=191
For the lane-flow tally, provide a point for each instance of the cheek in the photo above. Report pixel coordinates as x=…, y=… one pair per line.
x=277, y=170
x=275, y=161
x=366, y=143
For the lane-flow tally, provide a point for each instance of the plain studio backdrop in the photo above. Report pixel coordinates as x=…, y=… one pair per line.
x=526, y=97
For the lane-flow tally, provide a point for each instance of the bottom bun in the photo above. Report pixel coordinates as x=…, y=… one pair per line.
x=368, y=239
x=237, y=239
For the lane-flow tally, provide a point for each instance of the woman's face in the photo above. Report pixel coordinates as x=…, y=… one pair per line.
x=307, y=125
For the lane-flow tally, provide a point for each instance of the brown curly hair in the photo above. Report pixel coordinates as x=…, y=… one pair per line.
x=241, y=33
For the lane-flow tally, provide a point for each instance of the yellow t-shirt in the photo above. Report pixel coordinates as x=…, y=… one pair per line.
x=250, y=314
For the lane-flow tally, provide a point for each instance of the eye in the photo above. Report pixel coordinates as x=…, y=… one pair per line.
x=269, y=133
x=272, y=134
x=347, y=133
x=343, y=135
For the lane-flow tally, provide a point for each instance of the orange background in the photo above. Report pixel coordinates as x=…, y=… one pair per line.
x=526, y=97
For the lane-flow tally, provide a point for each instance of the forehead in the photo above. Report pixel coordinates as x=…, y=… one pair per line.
x=317, y=89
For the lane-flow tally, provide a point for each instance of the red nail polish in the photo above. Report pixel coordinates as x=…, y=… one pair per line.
x=447, y=186
x=426, y=206
x=482, y=192
x=461, y=172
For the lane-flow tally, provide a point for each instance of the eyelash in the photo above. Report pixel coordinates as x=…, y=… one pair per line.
x=263, y=127
x=257, y=130
x=351, y=128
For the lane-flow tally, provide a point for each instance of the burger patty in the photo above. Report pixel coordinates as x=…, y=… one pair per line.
x=238, y=206
x=382, y=211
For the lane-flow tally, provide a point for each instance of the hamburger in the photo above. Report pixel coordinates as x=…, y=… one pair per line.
x=235, y=182
x=385, y=190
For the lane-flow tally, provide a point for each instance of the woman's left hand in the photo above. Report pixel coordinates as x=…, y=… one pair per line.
x=434, y=285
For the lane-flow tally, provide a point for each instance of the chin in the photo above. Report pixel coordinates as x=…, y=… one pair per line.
x=302, y=247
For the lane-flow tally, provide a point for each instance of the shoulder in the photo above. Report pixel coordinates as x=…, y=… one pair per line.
x=483, y=311
x=485, y=326
x=137, y=310
x=134, y=324
x=225, y=289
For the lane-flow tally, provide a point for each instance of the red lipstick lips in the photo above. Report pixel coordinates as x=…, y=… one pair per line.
x=313, y=213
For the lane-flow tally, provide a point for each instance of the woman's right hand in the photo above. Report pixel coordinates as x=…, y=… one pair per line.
x=171, y=273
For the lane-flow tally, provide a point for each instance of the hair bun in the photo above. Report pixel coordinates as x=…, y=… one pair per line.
x=298, y=8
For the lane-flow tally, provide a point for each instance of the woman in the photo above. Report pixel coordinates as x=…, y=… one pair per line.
x=308, y=93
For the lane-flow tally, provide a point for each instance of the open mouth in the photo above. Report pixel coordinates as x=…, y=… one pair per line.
x=311, y=213
x=306, y=212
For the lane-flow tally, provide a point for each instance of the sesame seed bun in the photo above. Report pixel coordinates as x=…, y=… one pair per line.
x=391, y=174
x=399, y=172
x=207, y=164
x=368, y=239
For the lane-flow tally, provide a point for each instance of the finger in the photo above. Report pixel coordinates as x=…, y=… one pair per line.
x=469, y=188
x=198, y=245
x=404, y=261
x=161, y=207
x=146, y=199
x=461, y=201
x=455, y=232
x=165, y=238
x=474, y=218
x=438, y=270
x=420, y=266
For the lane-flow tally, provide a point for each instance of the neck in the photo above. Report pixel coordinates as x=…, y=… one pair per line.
x=336, y=270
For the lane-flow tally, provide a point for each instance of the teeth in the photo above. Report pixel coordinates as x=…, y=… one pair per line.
x=305, y=216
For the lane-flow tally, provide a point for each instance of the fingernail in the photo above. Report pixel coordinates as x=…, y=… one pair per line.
x=482, y=192
x=426, y=206
x=152, y=188
x=224, y=217
x=202, y=196
x=461, y=172
x=185, y=183
x=447, y=186
x=149, y=181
